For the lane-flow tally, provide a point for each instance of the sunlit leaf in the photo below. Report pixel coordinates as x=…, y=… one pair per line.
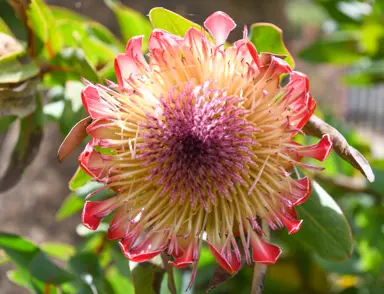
x=5, y=29
x=79, y=179
x=170, y=21
x=46, y=39
x=325, y=229
x=269, y=38
x=71, y=205
x=99, y=44
x=131, y=22
x=94, y=28
x=371, y=37
x=58, y=250
x=85, y=36
x=18, y=249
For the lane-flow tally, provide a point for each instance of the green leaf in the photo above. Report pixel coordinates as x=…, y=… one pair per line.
x=29, y=257
x=72, y=61
x=108, y=72
x=99, y=44
x=18, y=278
x=4, y=28
x=325, y=229
x=18, y=249
x=17, y=68
x=170, y=21
x=91, y=242
x=79, y=179
x=146, y=277
x=3, y=258
x=85, y=263
x=86, y=266
x=46, y=271
x=57, y=250
x=370, y=221
x=14, y=15
x=90, y=38
x=61, y=13
x=120, y=283
x=103, y=34
x=269, y=38
x=5, y=122
x=371, y=37
x=93, y=28
x=131, y=22
x=47, y=40
x=334, y=10
x=30, y=137
x=352, y=266
x=377, y=185
x=121, y=263
x=71, y=205
x=369, y=73
x=18, y=99
x=341, y=49
x=22, y=278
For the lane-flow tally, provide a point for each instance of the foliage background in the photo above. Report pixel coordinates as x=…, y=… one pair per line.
x=340, y=49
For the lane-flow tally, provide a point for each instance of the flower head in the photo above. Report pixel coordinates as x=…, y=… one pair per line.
x=202, y=144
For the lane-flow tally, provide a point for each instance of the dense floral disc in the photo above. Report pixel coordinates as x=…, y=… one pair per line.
x=201, y=141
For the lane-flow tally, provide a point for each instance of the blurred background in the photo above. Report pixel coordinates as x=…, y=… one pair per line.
x=338, y=44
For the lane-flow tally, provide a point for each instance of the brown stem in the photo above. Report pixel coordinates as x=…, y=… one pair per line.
x=318, y=128
x=260, y=270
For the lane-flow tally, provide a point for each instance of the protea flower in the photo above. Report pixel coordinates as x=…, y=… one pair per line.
x=201, y=141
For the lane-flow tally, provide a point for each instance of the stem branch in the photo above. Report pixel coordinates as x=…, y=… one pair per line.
x=260, y=270
x=169, y=268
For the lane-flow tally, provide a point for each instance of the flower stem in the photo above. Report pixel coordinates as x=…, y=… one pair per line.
x=260, y=270
x=169, y=269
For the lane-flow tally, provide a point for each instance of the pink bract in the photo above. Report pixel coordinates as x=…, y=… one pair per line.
x=202, y=141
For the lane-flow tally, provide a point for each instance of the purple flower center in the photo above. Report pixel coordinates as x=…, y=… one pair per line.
x=198, y=144
x=191, y=151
